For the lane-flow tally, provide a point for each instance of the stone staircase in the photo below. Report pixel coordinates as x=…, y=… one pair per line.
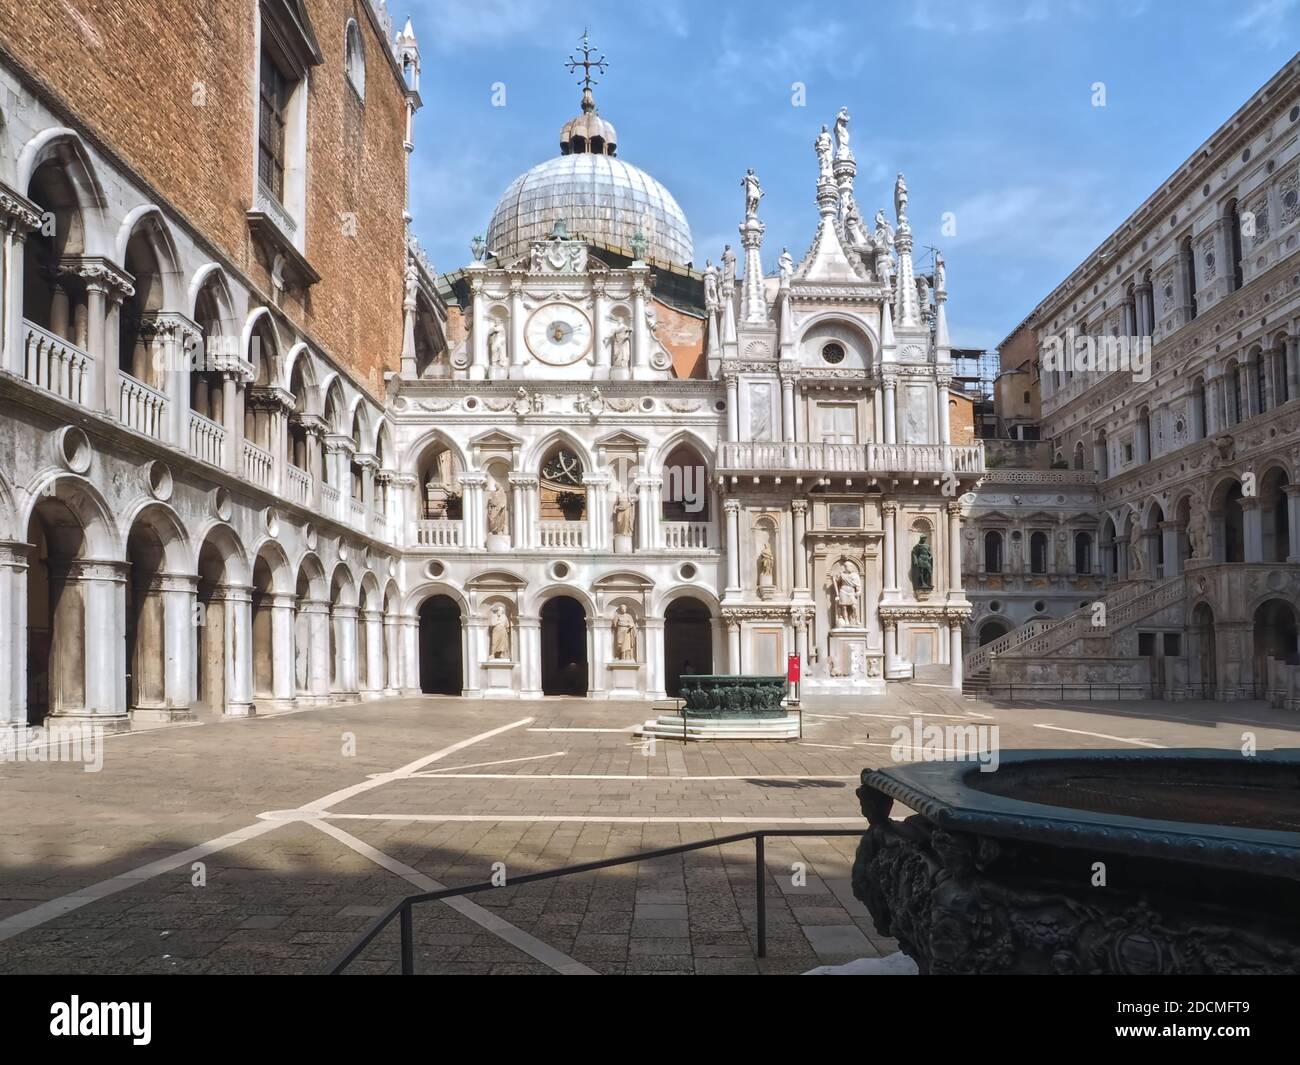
x=1042, y=639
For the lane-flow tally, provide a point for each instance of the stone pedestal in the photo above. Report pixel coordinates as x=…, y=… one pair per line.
x=766, y=589
x=498, y=373
x=498, y=679
x=624, y=680
x=622, y=544
x=849, y=665
x=498, y=543
x=620, y=373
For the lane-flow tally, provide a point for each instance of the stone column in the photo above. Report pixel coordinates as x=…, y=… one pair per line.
x=799, y=581
x=88, y=656
x=787, y=408
x=889, y=513
x=13, y=633
x=891, y=412
x=954, y=654
x=1292, y=368
x=318, y=649
x=373, y=620
x=891, y=643
x=103, y=376
x=472, y=502
x=237, y=600
x=945, y=427
x=644, y=518
x=1293, y=521
x=599, y=349
x=732, y=508
x=733, y=407
x=598, y=516
x=801, y=637
x=178, y=591
x=410, y=637
x=530, y=656
x=518, y=349
x=1252, y=529
x=733, y=646
x=283, y=687
x=654, y=658
x=478, y=366
x=520, y=519
x=640, y=334
x=954, y=550
x=600, y=652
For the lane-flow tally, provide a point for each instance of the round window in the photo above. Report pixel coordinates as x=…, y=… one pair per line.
x=1039, y=607
x=687, y=571
x=833, y=353
x=995, y=606
x=561, y=570
x=436, y=569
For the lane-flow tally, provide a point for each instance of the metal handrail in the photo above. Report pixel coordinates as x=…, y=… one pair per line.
x=402, y=907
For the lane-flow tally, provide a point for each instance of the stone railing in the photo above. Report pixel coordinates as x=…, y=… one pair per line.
x=51, y=363
x=297, y=485
x=141, y=407
x=439, y=532
x=356, y=511
x=1004, y=475
x=329, y=501
x=207, y=440
x=561, y=534
x=809, y=457
x=257, y=465
x=269, y=204
x=1128, y=606
x=686, y=535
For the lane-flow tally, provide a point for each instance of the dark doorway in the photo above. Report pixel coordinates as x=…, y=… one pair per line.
x=1203, y=637
x=441, y=670
x=564, y=647
x=688, y=642
x=992, y=630
x=1275, y=637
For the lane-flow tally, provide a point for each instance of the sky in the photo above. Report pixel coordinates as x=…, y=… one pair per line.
x=990, y=107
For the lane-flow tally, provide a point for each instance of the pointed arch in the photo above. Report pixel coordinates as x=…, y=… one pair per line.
x=65, y=149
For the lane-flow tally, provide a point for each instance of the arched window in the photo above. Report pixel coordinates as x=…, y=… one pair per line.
x=1262, y=398
x=563, y=496
x=1234, y=243
x=1144, y=435
x=993, y=552
x=1078, y=455
x=1082, y=553
x=1038, y=552
x=356, y=59
x=1188, y=259
x=1236, y=394
x=1198, y=410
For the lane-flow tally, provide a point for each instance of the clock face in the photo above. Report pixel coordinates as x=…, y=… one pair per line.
x=558, y=334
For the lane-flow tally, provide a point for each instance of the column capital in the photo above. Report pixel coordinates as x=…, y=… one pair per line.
x=889, y=508
x=799, y=506
x=18, y=214
x=731, y=505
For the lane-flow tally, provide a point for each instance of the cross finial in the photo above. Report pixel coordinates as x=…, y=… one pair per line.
x=587, y=63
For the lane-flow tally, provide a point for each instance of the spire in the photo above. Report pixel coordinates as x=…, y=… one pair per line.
x=588, y=133
x=408, y=54
x=753, y=303
x=907, y=307
x=942, y=344
x=826, y=259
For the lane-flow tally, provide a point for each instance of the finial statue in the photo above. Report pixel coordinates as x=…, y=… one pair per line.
x=728, y=267
x=710, y=284
x=786, y=264
x=639, y=244
x=940, y=272
x=412, y=283
x=900, y=197
x=753, y=193
x=823, y=148
x=842, y=149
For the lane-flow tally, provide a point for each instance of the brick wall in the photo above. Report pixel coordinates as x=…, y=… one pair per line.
x=171, y=88
x=684, y=337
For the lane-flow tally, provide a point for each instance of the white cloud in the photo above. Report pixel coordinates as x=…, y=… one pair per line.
x=442, y=25
x=1265, y=16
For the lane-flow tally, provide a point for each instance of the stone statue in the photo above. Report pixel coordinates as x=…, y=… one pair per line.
x=497, y=346
x=624, y=514
x=412, y=284
x=753, y=193
x=900, y=197
x=620, y=344
x=923, y=563
x=624, y=635
x=1135, y=557
x=823, y=149
x=496, y=510
x=710, y=284
x=940, y=273
x=884, y=231
x=786, y=264
x=728, y=267
x=766, y=565
x=846, y=588
x=498, y=632
x=1196, y=538
x=842, y=150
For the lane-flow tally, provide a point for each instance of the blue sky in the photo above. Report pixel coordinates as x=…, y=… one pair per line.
x=986, y=105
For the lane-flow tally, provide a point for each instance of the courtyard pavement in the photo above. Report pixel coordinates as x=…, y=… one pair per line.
x=265, y=845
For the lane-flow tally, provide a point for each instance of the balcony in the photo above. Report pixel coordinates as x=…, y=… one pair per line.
x=565, y=535
x=297, y=484
x=878, y=460
x=686, y=535
x=207, y=440
x=257, y=465
x=52, y=363
x=141, y=407
x=439, y=532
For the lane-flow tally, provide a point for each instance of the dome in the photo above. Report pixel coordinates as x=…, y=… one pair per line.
x=599, y=197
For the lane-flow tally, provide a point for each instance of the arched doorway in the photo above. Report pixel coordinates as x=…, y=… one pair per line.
x=992, y=629
x=1274, y=637
x=688, y=641
x=564, y=647
x=145, y=623
x=263, y=634
x=1204, y=651
x=56, y=674
x=210, y=647
x=441, y=667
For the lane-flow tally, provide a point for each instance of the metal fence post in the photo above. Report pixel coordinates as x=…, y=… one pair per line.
x=408, y=942
x=760, y=895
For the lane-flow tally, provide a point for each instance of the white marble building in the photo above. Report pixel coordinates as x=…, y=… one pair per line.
x=595, y=466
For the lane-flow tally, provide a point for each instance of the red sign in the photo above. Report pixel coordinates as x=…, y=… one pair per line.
x=792, y=669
